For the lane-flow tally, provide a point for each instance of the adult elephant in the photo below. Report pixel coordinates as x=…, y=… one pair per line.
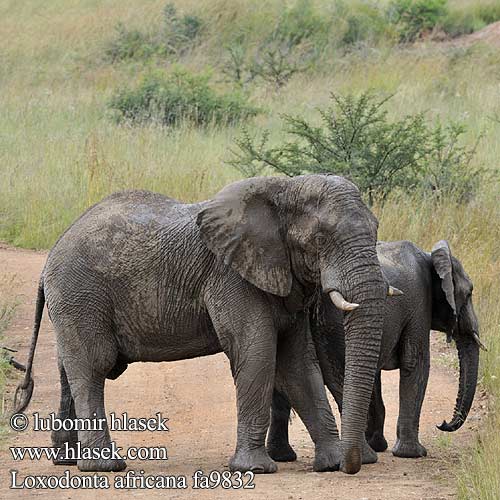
x=143, y=277
x=437, y=296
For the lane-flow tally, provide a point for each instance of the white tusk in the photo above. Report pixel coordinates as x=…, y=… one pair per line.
x=341, y=303
x=394, y=292
x=475, y=336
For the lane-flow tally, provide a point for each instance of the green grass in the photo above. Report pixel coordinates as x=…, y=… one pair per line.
x=8, y=303
x=61, y=152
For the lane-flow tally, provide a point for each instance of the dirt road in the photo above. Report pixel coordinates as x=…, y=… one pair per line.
x=198, y=398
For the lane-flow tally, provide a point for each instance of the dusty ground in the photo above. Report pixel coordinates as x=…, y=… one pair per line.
x=198, y=398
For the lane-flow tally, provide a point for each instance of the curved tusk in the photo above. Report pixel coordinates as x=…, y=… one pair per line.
x=475, y=336
x=341, y=303
x=393, y=291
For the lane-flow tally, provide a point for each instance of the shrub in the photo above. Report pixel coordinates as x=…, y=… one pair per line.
x=177, y=35
x=277, y=61
x=179, y=97
x=364, y=22
x=448, y=168
x=130, y=44
x=460, y=23
x=415, y=17
x=356, y=139
x=291, y=47
x=235, y=65
x=470, y=18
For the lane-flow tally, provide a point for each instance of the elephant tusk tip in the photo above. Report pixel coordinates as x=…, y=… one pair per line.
x=394, y=292
x=350, y=306
x=342, y=304
x=478, y=342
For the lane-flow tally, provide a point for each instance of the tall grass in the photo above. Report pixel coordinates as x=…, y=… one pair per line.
x=8, y=303
x=60, y=152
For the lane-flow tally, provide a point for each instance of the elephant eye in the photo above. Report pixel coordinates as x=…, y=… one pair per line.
x=320, y=238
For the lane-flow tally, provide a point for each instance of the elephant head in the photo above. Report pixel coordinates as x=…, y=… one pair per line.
x=314, y=232
x=453, y=313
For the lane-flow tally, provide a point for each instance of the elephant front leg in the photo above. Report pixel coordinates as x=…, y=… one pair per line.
x=247, y=334
x=298, y=375
x=412, y=386
x=253, y=372
x=278, y=445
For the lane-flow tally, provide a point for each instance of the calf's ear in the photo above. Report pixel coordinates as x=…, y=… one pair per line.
x=441, y=260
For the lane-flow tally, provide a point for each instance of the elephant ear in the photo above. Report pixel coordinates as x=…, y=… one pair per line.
x=241, y=225
x=441, y=260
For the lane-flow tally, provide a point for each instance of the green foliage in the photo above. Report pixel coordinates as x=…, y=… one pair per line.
x=461, y=22
x=177, y=35
x=449, y=168
x=363, y=22
x=357, y=140
x=300, y=23
x=8, y=303
x=416, y=17
x=235, y=65
x=130, y=44
x=470, y=18
x=171, y=99
x=277, y=61
x=291, y=47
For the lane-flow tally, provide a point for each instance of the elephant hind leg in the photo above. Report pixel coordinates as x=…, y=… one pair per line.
x=376, y=418
x=278, y=445
x=66, y=411
x=88, y=353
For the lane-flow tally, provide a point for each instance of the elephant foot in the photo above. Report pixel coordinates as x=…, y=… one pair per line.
x=281, y=452
x=110, y=465
x=327, y=458
x=368, y=455
x=377, y=442
x=61, y=458
x=256, y=461
x=412, y=449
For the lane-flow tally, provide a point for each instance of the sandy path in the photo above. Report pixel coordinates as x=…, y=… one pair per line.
x=198, y=398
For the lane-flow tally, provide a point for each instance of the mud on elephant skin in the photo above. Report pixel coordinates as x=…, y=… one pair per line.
x=437, y=296
x=147, y=278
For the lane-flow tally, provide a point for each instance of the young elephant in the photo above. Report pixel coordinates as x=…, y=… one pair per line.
x=143, y=277
x=437, y=296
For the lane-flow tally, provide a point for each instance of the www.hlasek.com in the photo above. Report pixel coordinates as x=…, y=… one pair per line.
x=130, y=480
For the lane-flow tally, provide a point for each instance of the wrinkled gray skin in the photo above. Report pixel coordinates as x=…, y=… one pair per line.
x=437, y=296
x=142, y=277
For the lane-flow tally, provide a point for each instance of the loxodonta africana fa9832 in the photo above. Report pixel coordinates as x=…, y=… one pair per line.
x=142, y=277
x=437, y=296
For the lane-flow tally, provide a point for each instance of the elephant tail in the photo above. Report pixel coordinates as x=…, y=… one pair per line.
x=24, y=390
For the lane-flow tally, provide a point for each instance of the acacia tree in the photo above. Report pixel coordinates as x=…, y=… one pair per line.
x=354, y=139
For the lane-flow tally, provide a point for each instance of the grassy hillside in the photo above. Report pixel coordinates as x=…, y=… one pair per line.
x=60, y=151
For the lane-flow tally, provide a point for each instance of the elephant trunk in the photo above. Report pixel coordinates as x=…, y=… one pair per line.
x=468, y=355
x=363, y=338
x=363, y=335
